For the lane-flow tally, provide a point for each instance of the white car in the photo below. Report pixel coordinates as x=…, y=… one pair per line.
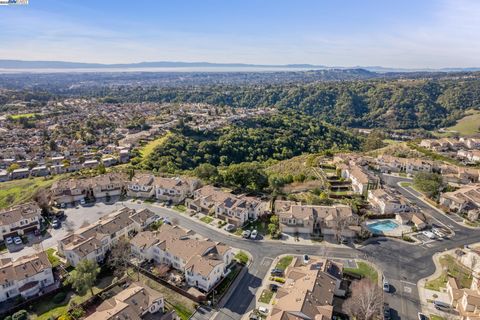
x=229, y=227
x=254, y=234
x=263, y=310
x=82, y=202
x=428, y=234
x=246, y=234
x=17, y=240
x=439, y=233
x=9, y=240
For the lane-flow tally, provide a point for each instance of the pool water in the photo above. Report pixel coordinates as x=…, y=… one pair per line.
x=382, y=226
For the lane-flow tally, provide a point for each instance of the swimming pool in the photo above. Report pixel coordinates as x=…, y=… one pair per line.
x=382, y=226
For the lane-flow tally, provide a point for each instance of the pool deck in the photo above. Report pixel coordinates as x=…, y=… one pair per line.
x=397, y=232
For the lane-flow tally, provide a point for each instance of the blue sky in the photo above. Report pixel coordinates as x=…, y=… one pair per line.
x=406, y=33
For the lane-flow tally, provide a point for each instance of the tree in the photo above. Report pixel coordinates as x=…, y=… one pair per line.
x=248, y=175
x=428, y=183
x=101, y=169
x=273, y=226
x=206, y=171
x=84, y=276
x=118, y=256
x=366, y=301
x=12, y=167
x=373, y=141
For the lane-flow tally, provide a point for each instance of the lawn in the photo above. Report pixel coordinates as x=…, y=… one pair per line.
x=46, y=310
x=284, y=262
x=180, y=208
x=405, y=184
x=206, y=219
x=19, y=191
x=52, y=257
x=468, y=125
x=241, y=257
x=453, y=269
x=147, y=149
x=364, y=270
x=22, y=115
x=184, y=306
x=435, y=317
x=266, y=296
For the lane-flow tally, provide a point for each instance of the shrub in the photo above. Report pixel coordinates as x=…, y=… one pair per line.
x=20, y=315
x=279, y=280
x=59, y=297
x=8, y=318
x=77, y=313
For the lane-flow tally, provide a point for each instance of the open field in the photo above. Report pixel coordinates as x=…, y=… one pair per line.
x=468, y=125
x=18, y=191
x=147, y=149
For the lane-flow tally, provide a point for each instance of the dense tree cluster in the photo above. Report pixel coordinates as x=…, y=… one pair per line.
x=281, y=136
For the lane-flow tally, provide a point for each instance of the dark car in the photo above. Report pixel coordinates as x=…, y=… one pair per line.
x=277, y=272
x=386, y=311
x=273, y=287
x=56, y=224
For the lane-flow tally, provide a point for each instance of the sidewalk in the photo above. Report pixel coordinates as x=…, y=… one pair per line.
x=286, y=239
x=427, y=296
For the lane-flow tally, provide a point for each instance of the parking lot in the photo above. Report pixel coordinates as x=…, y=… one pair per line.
x=75, y=218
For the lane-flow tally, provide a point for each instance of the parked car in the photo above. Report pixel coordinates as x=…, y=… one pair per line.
x=17, y=240
x=9, y=240
x=386, y=311
x=229, y=227
x=83, y=202
x=439, y=305
x=56, y=224
x=438, y=232
x=421, y=316
x=263, y=310
x=273, y=287
x=254, y=234
x=386, y=286
x=277, y=272
x=37, y=232
x=343, y=240
x=63, y=205
x=428, y=234
x=306, y=258
x=246, y=234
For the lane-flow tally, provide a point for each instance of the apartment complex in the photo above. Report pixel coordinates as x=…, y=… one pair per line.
x=26, y=276
x=93, y=242
x=203, y=262
x=20, y=219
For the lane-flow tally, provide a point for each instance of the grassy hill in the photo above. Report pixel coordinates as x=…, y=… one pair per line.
x=468, y=125
x=18, y=191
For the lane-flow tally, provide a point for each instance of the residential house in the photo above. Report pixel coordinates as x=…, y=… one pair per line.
x=174, y=189
x=418, y=219
x=203, y=262
x=231, y=208
x=470, y=142
x=72, y=190
x=141, y=186
x=312, y=219
x=387, y=163
x=388, y=202
x=465, y=300
x=27, y=276
x=464, y=200
x=20, y=173
x=4, y=176
x=308, y=293
x=362, y=180
x=20, y=219
x=93, y=241
x=470, y=155
x=40, y=171
x=133, y=303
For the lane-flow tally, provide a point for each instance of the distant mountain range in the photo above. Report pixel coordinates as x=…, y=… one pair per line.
x=26, y=65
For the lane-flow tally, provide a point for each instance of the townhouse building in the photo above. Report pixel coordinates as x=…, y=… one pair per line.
x=308, y=293
x=20, y=219
x=234, y=209
x=203, y=262
x=135, y=302
x=464, y=200
x=313, y=219
x=27, y=276
x=141, y=186
x=93, y=242
x=361, y=179
x=388, y=202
